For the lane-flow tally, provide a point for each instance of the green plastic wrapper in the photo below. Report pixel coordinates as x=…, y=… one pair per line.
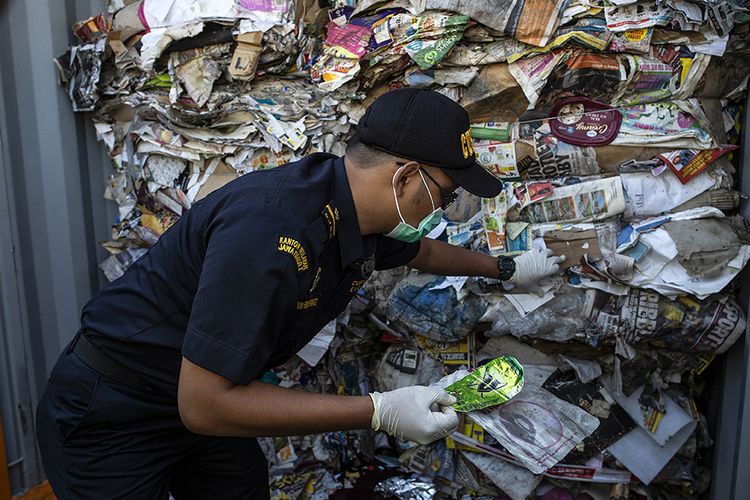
x=491, y=384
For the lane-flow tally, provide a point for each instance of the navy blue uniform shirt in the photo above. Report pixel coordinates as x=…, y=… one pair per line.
x=245, y=278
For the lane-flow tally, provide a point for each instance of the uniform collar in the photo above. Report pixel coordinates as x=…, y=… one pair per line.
x=351, y=242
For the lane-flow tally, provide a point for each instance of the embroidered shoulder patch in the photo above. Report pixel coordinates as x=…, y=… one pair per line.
x=307, y=304
x=331, y=216
x=356, y=285
x=290, y=246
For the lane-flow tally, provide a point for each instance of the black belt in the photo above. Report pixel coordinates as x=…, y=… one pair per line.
x=106, y=366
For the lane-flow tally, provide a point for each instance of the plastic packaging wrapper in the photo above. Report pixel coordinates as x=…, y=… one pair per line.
x=437, y=314
x=535, y=426
x=616, y=127
x=491, y=384
x=559, y=319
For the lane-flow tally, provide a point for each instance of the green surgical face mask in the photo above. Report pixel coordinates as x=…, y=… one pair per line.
x=405, y=231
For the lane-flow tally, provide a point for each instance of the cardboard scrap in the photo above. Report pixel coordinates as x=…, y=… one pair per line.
x=573, y=245
x=246, y=55
x=221, y=176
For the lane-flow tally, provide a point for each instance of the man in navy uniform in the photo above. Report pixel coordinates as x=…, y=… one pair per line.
x=159, y=391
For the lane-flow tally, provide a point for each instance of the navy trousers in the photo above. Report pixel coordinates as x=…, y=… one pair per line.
x=104, y=440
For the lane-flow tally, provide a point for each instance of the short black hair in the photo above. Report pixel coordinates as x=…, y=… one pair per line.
x=365, y=156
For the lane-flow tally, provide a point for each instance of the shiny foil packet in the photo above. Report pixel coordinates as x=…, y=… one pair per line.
x=491, y=384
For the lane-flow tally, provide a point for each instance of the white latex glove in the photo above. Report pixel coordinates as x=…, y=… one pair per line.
x=533, y=266
x=421, y=414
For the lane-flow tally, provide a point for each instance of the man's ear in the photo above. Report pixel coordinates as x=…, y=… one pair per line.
x=404, y=175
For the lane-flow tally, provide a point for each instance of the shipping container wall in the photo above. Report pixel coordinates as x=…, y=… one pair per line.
x=730, y=416
x=52, y=175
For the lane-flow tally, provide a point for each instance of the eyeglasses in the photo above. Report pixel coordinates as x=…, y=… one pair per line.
x=446, y=198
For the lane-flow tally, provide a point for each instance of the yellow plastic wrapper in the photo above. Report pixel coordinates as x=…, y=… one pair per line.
x=491, y=384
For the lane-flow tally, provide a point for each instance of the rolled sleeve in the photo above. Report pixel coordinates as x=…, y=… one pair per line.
x=246, y=292
x=392, y=253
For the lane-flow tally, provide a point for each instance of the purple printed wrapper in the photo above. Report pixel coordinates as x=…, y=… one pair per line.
x=378, y=23
x=350, y=39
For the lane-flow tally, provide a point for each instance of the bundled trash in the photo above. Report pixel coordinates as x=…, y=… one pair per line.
x=615, y=126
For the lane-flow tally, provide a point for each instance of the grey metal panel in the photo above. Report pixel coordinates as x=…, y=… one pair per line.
x=14, y=387
x=731, y=464
x=51, y=213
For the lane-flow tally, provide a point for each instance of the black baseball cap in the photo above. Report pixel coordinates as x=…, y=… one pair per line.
x=427, y=127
